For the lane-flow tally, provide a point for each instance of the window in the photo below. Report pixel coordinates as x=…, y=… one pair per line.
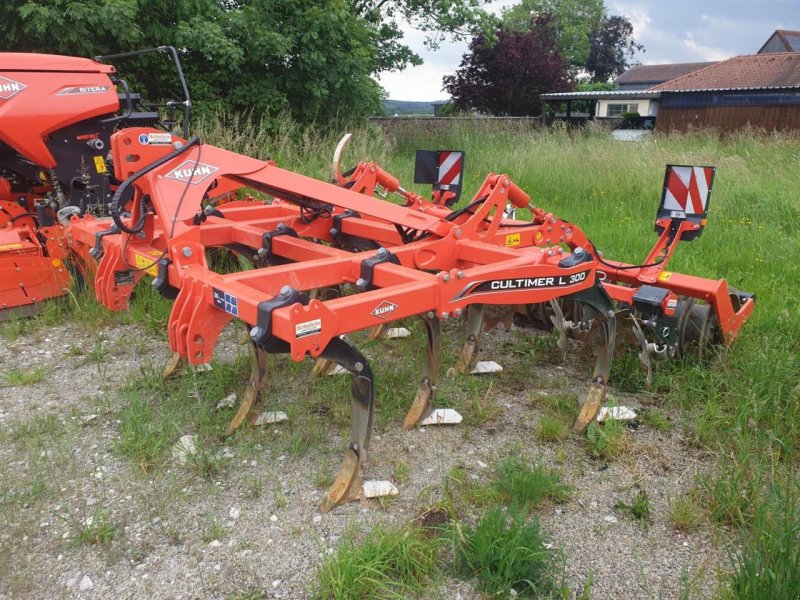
x=617, y=110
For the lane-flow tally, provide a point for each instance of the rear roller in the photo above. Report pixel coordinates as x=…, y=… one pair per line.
x=347, y=485
x=698, y=330
x=421, y=407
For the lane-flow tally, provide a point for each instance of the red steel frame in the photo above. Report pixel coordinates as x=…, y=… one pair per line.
x=432, y=274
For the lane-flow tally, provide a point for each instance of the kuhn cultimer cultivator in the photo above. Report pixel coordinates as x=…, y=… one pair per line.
x=422, y=259
x=57, y=114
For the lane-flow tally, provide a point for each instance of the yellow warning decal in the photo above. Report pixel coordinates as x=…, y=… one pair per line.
x=10, y=247
x=513, y=239
x=665, y=275
x=147, y=264
x=100, y=164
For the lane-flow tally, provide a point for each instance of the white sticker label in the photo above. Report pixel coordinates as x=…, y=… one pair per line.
x=302, y=330
x=155, y=139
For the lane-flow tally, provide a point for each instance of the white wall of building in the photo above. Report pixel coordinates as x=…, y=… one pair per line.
x=646, y=108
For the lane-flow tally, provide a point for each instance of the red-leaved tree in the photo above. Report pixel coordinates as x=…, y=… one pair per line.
x=507, y=77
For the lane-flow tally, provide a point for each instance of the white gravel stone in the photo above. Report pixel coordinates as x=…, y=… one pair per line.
x=86, y=584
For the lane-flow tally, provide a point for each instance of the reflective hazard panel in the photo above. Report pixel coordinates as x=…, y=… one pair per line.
x=444, y=169
x=686, y=195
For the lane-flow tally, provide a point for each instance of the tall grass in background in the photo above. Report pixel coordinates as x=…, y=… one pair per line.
x=745, y=406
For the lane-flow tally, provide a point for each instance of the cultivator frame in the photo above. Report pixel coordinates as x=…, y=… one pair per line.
x=430, y=261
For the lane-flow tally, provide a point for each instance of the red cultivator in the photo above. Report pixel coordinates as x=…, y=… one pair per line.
x=421, y=259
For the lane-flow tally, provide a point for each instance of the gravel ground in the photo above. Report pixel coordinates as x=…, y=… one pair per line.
x=255, y=526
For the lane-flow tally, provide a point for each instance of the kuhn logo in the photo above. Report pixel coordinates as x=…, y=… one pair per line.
x=9, y=88
x=89, y=89
x=383, y=310
x=193, y=170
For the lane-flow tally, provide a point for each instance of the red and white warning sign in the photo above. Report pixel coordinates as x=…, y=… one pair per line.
x=686, y=189
x=451, y=164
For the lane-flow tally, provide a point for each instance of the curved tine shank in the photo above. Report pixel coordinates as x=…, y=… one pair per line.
x=377, y=332
x=644, y=354
x=469, y=351
x=560, y=324
x=599, y=311
x=347, y=485
x=173, y=364
x=252, y=398
x=423, y=400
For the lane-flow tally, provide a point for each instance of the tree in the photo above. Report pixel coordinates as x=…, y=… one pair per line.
x=591, y=41
x=612, y=44
x=507, y=77
x=572, y=20
x=314, y=60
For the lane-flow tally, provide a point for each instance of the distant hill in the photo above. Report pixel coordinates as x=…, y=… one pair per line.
x=404, y=107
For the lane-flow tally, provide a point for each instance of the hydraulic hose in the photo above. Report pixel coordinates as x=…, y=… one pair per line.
x=116, y=201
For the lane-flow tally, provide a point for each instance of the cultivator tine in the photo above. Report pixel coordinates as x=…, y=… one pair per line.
x=347, y=485
x=597, y=311
x=644, y=354
x=252, y=399
x=560, y=324
x=421, y=407
x=469, y=351
x=173, y=364
x=377, y=332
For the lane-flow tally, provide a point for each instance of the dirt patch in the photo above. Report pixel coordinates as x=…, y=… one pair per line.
x=253, y=524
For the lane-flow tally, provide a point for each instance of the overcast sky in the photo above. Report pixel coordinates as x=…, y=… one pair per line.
x=671, y=31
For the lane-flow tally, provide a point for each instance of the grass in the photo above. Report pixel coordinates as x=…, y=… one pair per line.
x=607, y=441
x=98, y=529
x=506, y=552
x=25, y=376
x=518, y=483
x=767, y=565
x=639, y=507
x=391, y=563
x=685, y=513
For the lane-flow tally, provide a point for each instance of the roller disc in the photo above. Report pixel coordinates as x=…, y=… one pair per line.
x=698, y=332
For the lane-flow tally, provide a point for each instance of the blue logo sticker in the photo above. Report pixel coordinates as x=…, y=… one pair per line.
x=144, y=139
x=227, y=302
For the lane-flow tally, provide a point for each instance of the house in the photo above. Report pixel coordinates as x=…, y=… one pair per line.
x=642, y=77
x=759, y=90
x=782, y=40
x=632, y=93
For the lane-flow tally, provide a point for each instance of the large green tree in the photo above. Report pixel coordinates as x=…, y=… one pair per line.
x=595, y=45
x=313, y=58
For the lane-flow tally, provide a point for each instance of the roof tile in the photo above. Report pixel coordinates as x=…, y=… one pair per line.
x=748, y=72
x=658, y=73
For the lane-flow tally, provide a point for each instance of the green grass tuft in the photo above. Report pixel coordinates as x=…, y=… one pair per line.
x=505, y=552
x=392, y=563
x=25, y=376
x=517, y=483
x=607, y=441
x=639, y=508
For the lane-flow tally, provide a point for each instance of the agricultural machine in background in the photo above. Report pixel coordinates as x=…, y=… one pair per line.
x=57, y=114
x=422, y=259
